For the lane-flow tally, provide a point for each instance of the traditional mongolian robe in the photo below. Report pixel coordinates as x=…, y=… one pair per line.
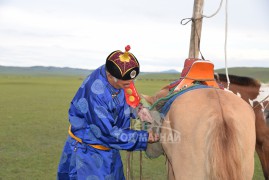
x=99, y=115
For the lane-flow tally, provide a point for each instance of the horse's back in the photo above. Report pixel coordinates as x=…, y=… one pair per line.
x=216, y=131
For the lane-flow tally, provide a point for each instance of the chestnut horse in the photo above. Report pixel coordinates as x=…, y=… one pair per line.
x=252, y=90
x=204, y=136
x=262, y=141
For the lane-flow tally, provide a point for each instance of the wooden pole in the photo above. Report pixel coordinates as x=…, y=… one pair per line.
x=196, y=28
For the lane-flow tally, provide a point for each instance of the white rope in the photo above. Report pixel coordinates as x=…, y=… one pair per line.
x=226, y=34
x=225, y=44
x=264, y=99
x=266, y=105
x=260, y=102
x=220, y=5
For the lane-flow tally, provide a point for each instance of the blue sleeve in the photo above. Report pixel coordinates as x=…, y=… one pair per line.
x=112, y=135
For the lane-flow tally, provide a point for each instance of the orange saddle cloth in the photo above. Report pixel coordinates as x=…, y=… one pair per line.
x=197, y=70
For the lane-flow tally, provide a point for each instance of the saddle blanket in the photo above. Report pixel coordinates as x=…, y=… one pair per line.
x=167, y=105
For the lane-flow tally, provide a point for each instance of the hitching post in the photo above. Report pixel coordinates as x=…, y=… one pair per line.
x=196, y=28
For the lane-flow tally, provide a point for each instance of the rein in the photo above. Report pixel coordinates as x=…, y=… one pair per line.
x=129, y=163
x=264, y=99
x=129, y=166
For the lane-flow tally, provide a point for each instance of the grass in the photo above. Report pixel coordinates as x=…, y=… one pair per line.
x=34, y=122
x=258, y=73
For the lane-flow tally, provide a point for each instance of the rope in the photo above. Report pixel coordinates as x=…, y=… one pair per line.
x=193, y=20
x=141, y=164
x=226, y=34
x=225, y=44
x=130, y=163
x=220, y=5
x=264, y=99
x=266, y=105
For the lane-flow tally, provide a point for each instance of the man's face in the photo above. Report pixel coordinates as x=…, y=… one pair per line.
x=123, y=83
x=118, y=83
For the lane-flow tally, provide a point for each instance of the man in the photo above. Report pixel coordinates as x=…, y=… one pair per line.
x=99, y=119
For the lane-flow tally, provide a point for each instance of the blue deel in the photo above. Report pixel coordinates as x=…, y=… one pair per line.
x=99, y=115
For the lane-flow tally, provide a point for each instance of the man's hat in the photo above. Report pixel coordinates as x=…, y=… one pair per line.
x=122, y=65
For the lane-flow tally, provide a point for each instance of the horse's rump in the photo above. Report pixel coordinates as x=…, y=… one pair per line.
x=252, y=90
x=213, y=143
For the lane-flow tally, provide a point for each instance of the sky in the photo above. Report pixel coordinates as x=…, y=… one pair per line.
x=82, y=33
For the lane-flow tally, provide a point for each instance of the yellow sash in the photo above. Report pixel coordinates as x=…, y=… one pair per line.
x=96, y=146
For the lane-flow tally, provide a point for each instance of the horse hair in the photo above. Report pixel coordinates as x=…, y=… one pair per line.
x=225, y=158
x=239, y=80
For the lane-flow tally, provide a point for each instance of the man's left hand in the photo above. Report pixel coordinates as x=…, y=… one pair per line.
x=144, y=114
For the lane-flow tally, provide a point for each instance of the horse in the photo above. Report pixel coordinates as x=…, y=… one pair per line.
x=262, y=138
x=208, y=133
x=252, y=90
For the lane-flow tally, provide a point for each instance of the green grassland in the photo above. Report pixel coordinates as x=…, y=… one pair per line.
x=34, y=122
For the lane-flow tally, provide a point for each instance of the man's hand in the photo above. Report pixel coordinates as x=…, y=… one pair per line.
x=144, y=114
x=153, y=137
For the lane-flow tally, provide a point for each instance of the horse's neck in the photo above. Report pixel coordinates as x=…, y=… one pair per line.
x=246, y=92
x=162, y=93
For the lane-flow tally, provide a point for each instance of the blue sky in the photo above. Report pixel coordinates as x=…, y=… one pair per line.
x=81, y=33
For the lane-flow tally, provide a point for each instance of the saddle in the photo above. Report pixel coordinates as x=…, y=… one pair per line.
x=196, y=70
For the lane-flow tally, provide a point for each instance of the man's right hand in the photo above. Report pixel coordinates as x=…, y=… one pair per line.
x=153, y=137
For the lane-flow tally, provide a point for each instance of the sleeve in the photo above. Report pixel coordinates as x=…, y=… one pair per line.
x=77, y=111
x=111, y=135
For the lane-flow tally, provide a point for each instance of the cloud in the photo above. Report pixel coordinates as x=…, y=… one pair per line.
x=82, y=33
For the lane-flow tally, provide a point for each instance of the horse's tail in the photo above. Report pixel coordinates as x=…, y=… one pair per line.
x=224, y=154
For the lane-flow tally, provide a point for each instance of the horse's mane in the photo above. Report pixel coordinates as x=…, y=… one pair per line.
x=239, y=80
